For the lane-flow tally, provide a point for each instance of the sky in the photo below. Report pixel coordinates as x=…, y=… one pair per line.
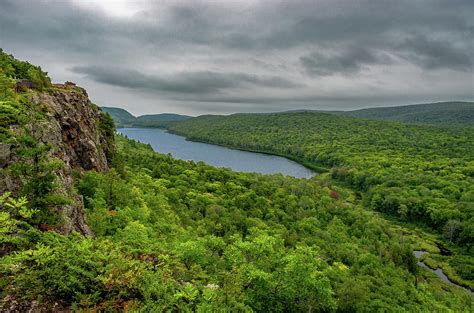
x=220, y=57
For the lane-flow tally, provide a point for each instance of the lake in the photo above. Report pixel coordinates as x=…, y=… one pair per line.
x=237, y=160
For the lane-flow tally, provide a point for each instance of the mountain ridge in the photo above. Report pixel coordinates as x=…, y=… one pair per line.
x=459, y=113
x=456, y=112
x=448, y=112
x=123, y=118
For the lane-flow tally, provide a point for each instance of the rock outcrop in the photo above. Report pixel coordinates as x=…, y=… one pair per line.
x=73, y=127
x=4, y=154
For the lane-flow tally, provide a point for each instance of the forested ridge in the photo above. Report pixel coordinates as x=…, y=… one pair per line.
x=171, y=235
x=417, y=173
x=442, y=113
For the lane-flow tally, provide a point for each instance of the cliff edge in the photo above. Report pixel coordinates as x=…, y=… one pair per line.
x=76, y=135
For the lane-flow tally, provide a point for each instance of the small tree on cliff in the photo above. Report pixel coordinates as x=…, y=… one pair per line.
x=36, y=170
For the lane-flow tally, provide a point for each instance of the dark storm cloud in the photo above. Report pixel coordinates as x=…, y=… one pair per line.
x=201, y=82
x=267, y=25
x=278, y=50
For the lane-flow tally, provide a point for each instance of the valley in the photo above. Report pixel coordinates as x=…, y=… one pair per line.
x=93, y=220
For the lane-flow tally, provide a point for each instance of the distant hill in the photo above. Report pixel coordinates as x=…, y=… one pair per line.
x=454, y=113
x=164, y=117
x=123, y=118
x=441, y=113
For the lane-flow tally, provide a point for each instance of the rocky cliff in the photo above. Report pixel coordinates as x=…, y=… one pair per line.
x=77, y=131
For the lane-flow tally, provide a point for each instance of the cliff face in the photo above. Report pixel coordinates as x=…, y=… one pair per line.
x=73, y=126
x=74, y=129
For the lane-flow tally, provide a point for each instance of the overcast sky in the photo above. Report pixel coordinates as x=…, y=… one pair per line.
x=196, y=57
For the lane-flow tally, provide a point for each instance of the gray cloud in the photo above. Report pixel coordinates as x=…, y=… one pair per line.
x=199, y=82
x=232, y=52
x=348, y=61
x=435, y=54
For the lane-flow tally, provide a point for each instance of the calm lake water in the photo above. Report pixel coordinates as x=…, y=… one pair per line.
x=237, y=160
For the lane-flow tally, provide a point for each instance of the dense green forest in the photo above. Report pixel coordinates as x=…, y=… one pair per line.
x=422, y=175
x=175, y=235
x=123, y=118
x=444, y=113
x=417, y=173
x=171, y=235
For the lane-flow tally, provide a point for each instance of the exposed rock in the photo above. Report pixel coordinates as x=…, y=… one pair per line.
x=4, y=154
x=72, y=128
x=75, y=130
x=10, y=304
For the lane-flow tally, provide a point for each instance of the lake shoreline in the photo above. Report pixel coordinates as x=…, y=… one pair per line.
x=270, y=163
x=318, y=169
